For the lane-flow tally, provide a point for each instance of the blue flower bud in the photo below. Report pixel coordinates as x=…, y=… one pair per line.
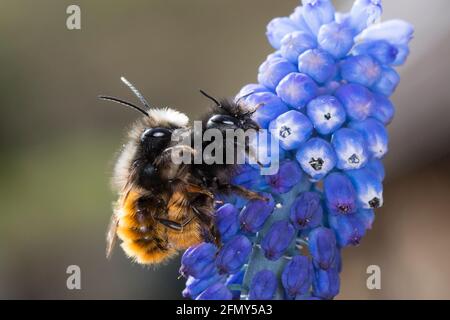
x=288, y=175
x=375, y=134
x=273, y=71
x=336, y=39
x=196, y=286
x=263, y=286
x=255, y=213
x=402, y=55
x=277, y=239
x=381, y=50
x=317, y=64
x=267, y=150
x=349, y=229
x=233, y=255
x=384, y=109
x=306, y=211
x=340, y=195
x=350, y=147
x=326, y=283
x=297, y=89
x=291, y=129
x=376, y=166
x=317, y=13
x=227, y=221
x=388, y=81
x=358, y=101
x=317, y=158
x=396, y=32
x=277, y=29
x=198, y=261
x=326, y=113
x=236, y=279
x=270, y=107
x=366, y=217
x=249, y=178
x=322, y=246
x=217, y=291
x=368, y=186
x=297, y=277
x=364, y=13
x=294, y=44
x=299, y=20
x=248, y=90
x=361, y=69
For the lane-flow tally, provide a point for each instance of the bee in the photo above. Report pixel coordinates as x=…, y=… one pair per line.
x=158, y=211
x=224, y=116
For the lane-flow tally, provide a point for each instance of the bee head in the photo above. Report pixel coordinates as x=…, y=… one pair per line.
x=230, y=115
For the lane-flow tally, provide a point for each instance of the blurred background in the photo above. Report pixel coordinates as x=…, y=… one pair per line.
x=57, y=141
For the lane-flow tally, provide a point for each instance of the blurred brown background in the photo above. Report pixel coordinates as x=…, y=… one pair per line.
x=57, y=141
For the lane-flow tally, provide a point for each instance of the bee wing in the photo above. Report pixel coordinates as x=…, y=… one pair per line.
x=111, y=235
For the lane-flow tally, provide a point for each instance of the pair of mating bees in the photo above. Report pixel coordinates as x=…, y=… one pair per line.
x=164, y=207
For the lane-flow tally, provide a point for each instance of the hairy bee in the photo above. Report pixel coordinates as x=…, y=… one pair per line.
x=158, y=211
x=224, y=116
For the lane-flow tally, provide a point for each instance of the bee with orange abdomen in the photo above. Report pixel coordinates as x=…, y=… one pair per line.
x=158, y=211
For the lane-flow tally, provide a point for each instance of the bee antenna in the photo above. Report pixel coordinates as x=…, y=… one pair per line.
x=124, y=103
x=244, y=96
x=211, y=98
x=136, y=92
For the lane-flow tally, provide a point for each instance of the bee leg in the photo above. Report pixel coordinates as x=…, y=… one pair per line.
x=173, y=224
x=245, y=192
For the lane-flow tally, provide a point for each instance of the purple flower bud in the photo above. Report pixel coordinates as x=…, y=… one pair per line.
x=317, y=13
x=233, y=255
x=297, y=276
x=366, y=217
x=255, y=213
x=326, y=113
x=297, y=89
x=349, y=229
x=227, y=221
x=384, y=109
x=326, y=283
x=388, y=81
x=350, y=147
x=364, y=13
x=198, y=261
x=384, y=52
x=277, y=239
x=376, y=166
x=267, y=150
x=294, y=44
x=375, y=134
x=336, y=39
x=396, y=32
x=317, y=64
x=369, y=188
x=270, y=107
x=277, y=29
x=306, y=211
x=358, y=101
x=263, y=286
x=217, y=291
x=195, y=286
x=289, y=174
x=291, y=129
x=340, y=195
x=362, y=69
x=273, y=71
x=317, y=158
x=322, y=246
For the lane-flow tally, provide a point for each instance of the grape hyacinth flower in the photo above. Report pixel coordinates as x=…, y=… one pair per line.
x=324, y=95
